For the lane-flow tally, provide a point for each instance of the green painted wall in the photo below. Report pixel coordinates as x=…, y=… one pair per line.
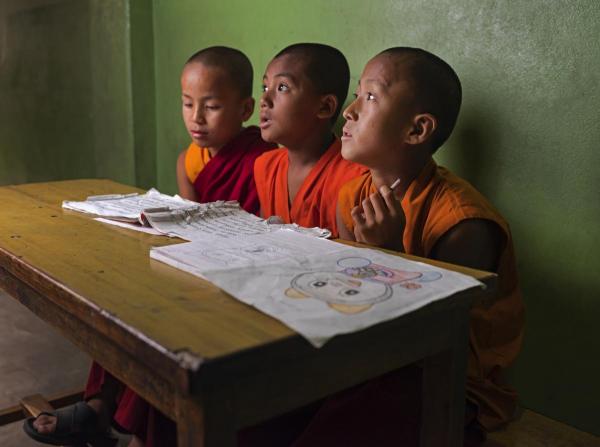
x=67, y=100
x=527, y=137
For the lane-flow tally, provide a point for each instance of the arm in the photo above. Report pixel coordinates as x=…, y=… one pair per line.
x=475, y=243
x=186, y=189
x=344, y=232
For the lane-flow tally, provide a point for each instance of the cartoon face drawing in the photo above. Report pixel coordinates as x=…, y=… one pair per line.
x=342, y=293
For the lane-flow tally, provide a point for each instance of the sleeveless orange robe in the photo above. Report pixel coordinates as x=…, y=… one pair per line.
x=196, y=158
x=436, y=201
x=316, y=200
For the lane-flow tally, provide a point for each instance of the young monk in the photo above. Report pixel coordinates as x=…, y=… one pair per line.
x=406, y=106
x=216, y=88
x=304, y=88
x=219, y=163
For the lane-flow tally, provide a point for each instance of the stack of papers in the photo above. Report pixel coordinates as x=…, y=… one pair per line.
x=177, y=217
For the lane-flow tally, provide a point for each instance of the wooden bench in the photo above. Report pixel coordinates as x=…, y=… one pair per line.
x=32, y=406
x=535, y=430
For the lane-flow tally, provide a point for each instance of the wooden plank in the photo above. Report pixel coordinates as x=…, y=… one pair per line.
x=58, y=400
x=35, y=404
x=11, y=414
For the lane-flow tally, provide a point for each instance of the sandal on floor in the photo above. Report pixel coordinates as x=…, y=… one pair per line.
x=75, y=425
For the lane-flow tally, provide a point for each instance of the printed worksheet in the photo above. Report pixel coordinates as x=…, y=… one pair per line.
x=280, y=246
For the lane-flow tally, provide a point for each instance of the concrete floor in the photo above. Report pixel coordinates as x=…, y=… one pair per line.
x=34, y=358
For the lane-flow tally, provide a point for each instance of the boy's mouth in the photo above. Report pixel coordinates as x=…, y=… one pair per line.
x=265, y=121
x=346, y=134
x=198, y=134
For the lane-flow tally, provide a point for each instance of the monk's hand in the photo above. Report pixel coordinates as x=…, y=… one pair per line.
x=380, y=220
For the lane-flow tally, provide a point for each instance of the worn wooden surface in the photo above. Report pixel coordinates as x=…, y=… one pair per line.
x=535, y=430
x=181, y=342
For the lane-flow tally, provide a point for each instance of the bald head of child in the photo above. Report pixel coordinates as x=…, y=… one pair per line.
x=304, y=88
x=216, y=91
x=407, y=99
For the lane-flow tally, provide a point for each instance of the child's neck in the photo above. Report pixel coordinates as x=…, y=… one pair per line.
x=407, y=172
x=310, y=150
x=215, y=150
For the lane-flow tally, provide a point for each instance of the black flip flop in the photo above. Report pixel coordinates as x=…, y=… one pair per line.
x=75, y=426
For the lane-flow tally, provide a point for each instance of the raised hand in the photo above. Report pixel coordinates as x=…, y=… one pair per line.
x=380, y=220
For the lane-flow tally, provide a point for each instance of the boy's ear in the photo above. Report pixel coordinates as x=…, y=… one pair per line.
x=247, y=108
x=328, y=106
x=422, y=129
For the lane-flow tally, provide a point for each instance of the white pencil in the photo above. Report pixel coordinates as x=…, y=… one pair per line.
x=395, y=184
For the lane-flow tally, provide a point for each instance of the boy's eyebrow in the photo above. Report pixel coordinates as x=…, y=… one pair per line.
x=204, y=98
x=282, y=75
x=381, y=83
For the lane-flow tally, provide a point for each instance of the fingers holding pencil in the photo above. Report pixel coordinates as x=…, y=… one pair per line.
x=379, y=220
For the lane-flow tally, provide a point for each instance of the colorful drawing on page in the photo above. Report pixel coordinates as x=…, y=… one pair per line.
x=363, y=268
x=360, y=285
x=340, y=291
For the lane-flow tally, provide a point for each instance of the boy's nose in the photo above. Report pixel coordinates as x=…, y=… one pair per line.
x=350, y=112
x=265, y=99
x=198, y=115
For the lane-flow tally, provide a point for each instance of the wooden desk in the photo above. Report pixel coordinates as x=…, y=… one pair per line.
x=205, y=359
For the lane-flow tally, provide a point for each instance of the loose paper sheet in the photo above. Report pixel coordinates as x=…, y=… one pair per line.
x=130, y=226
x=127, y=207
x=317, y=290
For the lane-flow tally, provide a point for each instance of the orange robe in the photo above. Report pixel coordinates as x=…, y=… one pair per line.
x=435, y=202
x=316, y=200
x=196, y=158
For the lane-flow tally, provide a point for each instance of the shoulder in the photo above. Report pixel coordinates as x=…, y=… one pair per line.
x=272, y=157
x=268, y=162
x=456, y=210
x=457, y=199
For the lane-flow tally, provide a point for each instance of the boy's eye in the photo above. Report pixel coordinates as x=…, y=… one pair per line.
x=283, y=88
x=212, y=107
x=187, y=104
x=355, y=95
x=264, y=88
x=370, y=96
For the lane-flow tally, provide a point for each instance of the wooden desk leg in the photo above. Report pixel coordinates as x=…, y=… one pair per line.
x=208, y=425
x=443, y=395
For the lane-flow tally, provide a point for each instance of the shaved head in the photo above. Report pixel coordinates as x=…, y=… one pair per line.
x=231, y=61
x=326, y=68
x=436, y=87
